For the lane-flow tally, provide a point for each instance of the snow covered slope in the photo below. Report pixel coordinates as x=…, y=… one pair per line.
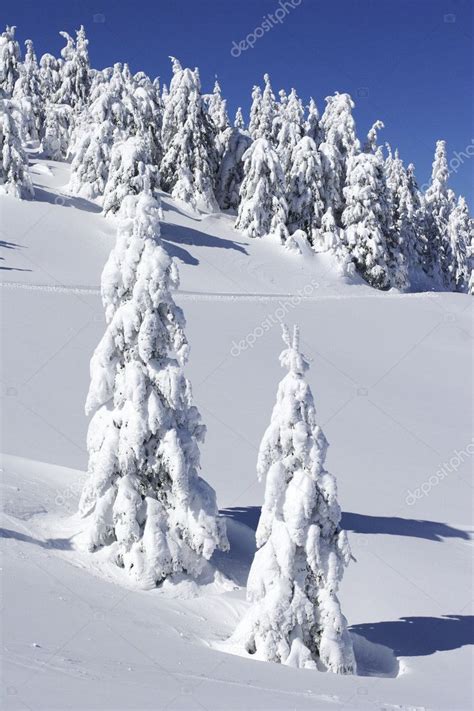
x=392, y=380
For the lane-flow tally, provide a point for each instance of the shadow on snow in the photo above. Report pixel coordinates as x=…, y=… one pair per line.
x=363, y=523
x=4, y=244
x=420, y=636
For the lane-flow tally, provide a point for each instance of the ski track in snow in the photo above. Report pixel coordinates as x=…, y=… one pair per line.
x=213, y=296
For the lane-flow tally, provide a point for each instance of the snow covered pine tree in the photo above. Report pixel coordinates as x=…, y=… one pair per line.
x=263, y=209
x=143, y=494
x=131, y=172
x=295, y=616
x=15, y=177
x=189, y=164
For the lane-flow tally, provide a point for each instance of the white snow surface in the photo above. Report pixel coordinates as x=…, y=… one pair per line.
x=392, y=380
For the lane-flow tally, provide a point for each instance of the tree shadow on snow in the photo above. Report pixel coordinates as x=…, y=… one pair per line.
x=58, y=543
x=362, y=523
x=179, y=253
x=420, y=636
x=395, y=526
x=180, y=234
x=42, y=195
x=4, y=244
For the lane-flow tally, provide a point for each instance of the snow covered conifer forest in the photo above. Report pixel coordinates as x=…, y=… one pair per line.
x=184, y=545
x=288, y=168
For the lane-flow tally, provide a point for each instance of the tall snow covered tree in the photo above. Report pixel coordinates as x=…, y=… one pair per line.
x=9, y=62
x=437, y=208
x=339, y=145
x=189, y=164
x=15, y=177
x=290, y=131
x=460, y=235
x=305, y=191
x=470, y=258
x=148, y=113
x=263, y=208
x=75, y=71
x=262, y=111
x=144, y=494
x=406, y=217
x=413, y=225
x=312, y=124
x=27, y=93
x=230, y=175
x=217, y=110
x=131, y=172
x=50, y=76
x=366, y=219
x=255, y=110
x=295, y=616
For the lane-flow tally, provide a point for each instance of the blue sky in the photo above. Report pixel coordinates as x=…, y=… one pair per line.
x=407, y=62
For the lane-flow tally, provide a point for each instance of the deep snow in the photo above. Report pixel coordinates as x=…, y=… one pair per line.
x=392, y=379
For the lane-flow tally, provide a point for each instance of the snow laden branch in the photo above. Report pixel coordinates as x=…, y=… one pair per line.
x=295, y=616
x=144, y=497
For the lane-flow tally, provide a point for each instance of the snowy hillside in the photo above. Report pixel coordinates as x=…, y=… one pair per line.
x=391, y=375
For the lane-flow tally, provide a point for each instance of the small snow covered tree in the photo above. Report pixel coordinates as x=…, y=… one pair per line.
x=131, y=173
x=263, y=209
x=365, y=219
x=333, y=241
x=9, y=62
x=90, y=165
x=56, y=130
x=189, y=164
x=305, y=191
x=239, y=119
x=15, y=177
x=371, y=145
x=144, y=494
x=295, y=616
x=460, y=235
x=235, y=142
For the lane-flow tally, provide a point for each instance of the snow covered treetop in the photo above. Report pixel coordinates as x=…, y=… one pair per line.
x=291, y=357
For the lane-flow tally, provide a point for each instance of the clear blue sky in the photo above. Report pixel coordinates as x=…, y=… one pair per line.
x=407, y=62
